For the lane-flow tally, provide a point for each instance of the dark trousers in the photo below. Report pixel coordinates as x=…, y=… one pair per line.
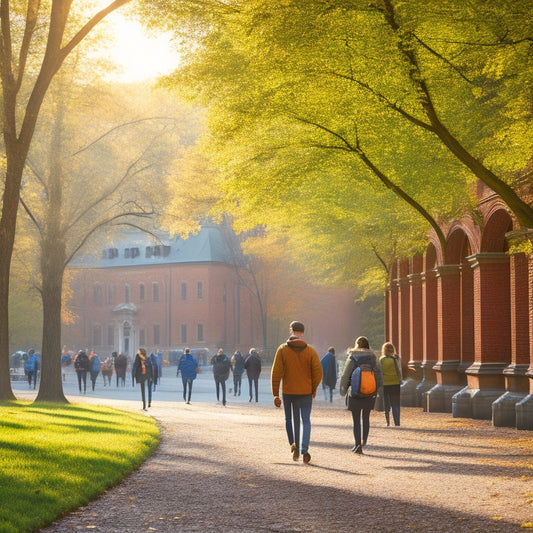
x=357, y=414
x=237, y=380
x=391, y=399
x=94, y=375
x=220, y=383
x=187, y=388
x=142, y=383
x=82, y=379
x=32, y=377
x=255, y=382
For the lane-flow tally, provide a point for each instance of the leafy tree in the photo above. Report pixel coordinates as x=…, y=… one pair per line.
x=37, y=40
x=72, y=195
x=308, y=104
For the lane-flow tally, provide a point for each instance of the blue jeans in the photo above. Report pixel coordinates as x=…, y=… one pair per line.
x=298, y=406
x=187, y=383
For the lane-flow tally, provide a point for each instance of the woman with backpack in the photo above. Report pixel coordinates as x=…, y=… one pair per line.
x=391, y=368
x=361, y=379
x=96, y=366
x=221, y=367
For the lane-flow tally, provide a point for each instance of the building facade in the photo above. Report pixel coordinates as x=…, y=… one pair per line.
x=167, y=294
x=462, y=319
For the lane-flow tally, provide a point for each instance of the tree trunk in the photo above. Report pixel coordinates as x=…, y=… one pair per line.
x=51, y=386
x=8, y=223
x=53, y=260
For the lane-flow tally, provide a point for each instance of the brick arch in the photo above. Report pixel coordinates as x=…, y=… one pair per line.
x=497, y=225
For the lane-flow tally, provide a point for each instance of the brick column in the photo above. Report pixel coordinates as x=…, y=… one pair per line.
x=439, y=398
x=388, y=328
x=524, y=408
x=404, y=322
x=516, y=381
x=393, y=312
x=430, y=336
x=492, y=331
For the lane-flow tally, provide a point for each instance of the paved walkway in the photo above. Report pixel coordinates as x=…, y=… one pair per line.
x=229, y=469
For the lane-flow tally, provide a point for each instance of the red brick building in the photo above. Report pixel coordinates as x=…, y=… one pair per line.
x=465, y=324
x=171, y=293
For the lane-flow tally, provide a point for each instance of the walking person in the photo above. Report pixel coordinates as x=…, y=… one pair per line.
x=95, y=368
x=107, y=370
x=153, y=372
x=141, y=372
x=221, y=367
x=297, y=368
x=391, y=368
x=252, y=365
x=329, y=373
x=188, y=366
x=31, y=368
x=82, y=365
x=237, y=365
x=121, y=363
x=360, y=356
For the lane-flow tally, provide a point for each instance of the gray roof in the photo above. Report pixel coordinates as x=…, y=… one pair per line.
x=213, y=244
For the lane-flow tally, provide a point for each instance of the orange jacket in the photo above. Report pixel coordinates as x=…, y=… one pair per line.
x=297, y=365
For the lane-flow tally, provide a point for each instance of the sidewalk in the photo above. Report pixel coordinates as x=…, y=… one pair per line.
x=229, y=469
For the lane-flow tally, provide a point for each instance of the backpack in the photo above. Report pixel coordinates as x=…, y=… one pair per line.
x=363, y=381
x=29, y=365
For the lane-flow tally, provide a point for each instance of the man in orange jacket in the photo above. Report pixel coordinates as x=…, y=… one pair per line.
x=297, y=365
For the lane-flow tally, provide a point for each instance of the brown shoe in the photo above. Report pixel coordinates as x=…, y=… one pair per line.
x=306, y=457
x=295, y=452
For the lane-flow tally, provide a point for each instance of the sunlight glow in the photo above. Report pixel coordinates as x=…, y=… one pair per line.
x=138, y=55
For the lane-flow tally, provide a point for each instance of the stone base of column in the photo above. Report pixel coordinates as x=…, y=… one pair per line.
x=409, y=397
x=428, y=382
x=475, y=403
x=524, y=413
x=462, y=404
x=439, y=398
x=504, y=409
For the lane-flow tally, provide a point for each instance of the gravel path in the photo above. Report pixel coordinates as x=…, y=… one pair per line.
x=230, y=470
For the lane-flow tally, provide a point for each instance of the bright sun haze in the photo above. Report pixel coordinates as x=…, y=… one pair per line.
x=138, y=54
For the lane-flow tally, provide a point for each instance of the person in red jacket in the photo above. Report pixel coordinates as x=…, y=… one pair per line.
x=297, y=366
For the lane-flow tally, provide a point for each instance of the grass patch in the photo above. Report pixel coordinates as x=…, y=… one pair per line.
x=55, y=458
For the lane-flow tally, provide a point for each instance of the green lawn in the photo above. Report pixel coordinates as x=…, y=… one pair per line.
x=54, y=458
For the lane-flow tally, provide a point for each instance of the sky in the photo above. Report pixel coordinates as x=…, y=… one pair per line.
x=139, y=55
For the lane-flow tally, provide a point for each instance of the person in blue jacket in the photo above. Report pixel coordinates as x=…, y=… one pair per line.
x=188, y=366
x=329, y=373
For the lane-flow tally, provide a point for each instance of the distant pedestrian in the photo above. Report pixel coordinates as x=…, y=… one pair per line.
x=107, y=370
x=159, y=360
x=82, y=366
x=141, y=371
x=151, y=361
x=188, y=366
x=221, y=367
x=121, y=363
x=237, y=365
x=31, y=368
x=297, y=368
x=329, y=373
x=96, y=366
x=252, y=365
x=391, y=367
x=359, y=355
